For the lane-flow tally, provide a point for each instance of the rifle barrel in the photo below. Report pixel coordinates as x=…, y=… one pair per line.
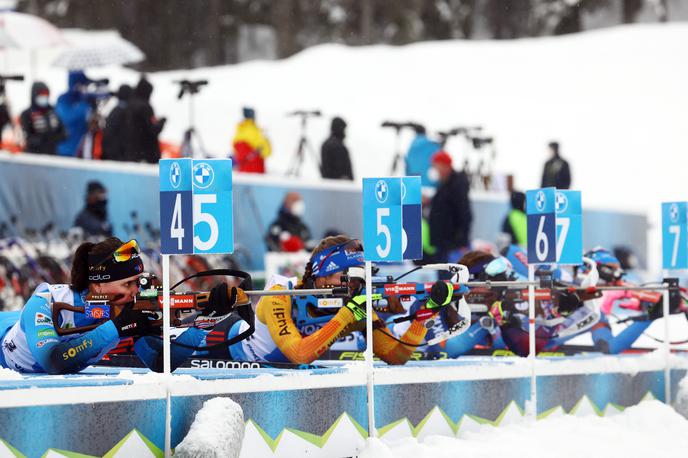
x=300, y=292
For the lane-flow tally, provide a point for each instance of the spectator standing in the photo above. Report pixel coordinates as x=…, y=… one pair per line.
x=335, y=160
x=450, y=215
x=251, y=146
x=556, y=172
x=288, y=232
x=93, y=218
x=516, y=223
x=115, y=131
x=42, y=128
x=419, y=156
x=142, y=126
x=74, y=111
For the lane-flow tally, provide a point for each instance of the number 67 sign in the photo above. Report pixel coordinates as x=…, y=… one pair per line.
x=196, y=206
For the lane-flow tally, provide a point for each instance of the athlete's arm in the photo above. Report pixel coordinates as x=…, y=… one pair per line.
x=149, y=349
x=392, y=351
x=276, y=313
x=69, y=356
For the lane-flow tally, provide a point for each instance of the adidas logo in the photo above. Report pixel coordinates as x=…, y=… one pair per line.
x=331, y=266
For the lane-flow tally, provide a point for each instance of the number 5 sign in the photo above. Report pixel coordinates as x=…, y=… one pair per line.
x=674, y=232
x=542, y=233
x=196, y=206
x=391, y=219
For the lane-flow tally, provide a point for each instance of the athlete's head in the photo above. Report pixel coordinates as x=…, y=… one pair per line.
x=330, y=259
x=484, y=266
x=608, y=265
x=108, y=267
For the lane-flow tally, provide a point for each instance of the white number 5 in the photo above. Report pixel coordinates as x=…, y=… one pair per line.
x=384, y=230
x=200, y=217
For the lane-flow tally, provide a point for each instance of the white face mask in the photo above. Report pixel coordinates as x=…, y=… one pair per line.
x=298, y=208
x=433, y=174
x=42, y=100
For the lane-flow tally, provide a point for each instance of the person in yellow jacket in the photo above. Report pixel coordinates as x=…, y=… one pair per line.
x=251, y=147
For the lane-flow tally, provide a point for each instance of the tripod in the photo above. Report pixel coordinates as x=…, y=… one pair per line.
x=188, y=150
x=297, y=161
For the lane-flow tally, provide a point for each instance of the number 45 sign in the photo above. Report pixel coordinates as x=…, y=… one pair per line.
x=674, y=232
x=196, y=206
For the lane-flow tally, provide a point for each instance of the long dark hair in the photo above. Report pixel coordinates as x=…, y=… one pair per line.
x=308, y=280
x=79, y=277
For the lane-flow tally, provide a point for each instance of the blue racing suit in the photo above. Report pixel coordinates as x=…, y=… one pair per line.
x=29, y=341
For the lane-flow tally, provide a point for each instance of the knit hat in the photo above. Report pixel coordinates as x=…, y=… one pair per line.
x=442, y=157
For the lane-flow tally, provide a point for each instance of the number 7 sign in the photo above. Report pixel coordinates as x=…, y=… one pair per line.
x=674, y=232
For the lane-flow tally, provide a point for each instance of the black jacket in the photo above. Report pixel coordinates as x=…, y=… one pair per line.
x=450, y=214
x=556, y=173
x=93, y=222
x=335, y=160
x=115, y=135
x=142, y=126
x=42, y=128
x=286, y=222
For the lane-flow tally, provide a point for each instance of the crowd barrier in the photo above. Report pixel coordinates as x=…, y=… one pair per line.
x=318, y=412
x=41, y=190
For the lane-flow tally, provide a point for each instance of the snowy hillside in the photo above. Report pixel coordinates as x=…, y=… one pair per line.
x=615, y=99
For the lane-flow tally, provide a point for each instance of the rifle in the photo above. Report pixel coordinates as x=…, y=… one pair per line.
x=187, y=308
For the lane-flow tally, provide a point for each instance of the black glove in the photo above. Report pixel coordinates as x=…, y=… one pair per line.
x=567, y=302
x=135, y=323
x=221, y=300
x=440, y=295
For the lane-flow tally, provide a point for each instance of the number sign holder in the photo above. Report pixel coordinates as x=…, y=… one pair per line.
x=391, y=233
x=674, y=257
x=542, y=236
x=195, y=217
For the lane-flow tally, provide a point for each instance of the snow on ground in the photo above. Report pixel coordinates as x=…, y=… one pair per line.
x=648, y=429
x=217, y=431
x=681, y=404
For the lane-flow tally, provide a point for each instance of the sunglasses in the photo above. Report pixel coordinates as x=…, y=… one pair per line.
x=124, y=253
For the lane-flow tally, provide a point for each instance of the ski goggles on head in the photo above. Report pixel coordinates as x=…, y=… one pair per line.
x=124, y=262
x=338, y=258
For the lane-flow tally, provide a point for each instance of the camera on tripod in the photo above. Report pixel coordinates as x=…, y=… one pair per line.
x=479, y=142
x=190, y=87
x=306, y=113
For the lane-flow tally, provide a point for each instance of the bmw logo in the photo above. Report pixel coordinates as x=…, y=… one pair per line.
x=540, y=201
x=561, y=202
x=203, y=175
x=381, y=191
x=175, y=175
x=673, y=213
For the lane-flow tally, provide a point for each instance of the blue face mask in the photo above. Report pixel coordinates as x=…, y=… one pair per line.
x=337, y=258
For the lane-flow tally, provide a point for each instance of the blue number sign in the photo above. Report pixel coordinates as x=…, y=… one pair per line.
x=569, y=211
x=412, y=212
x=196, y=206
x=176, y=207
x=212, y=206
x=542, y=234
x=392, y=219
x=674, y=232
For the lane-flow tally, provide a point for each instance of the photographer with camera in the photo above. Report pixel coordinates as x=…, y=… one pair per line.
x=115, y=136
x=251, y=146
x=42, y=128
x=143, y=127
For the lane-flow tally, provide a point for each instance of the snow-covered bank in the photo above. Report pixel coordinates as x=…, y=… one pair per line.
x=648, y=429
x=614, y=98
